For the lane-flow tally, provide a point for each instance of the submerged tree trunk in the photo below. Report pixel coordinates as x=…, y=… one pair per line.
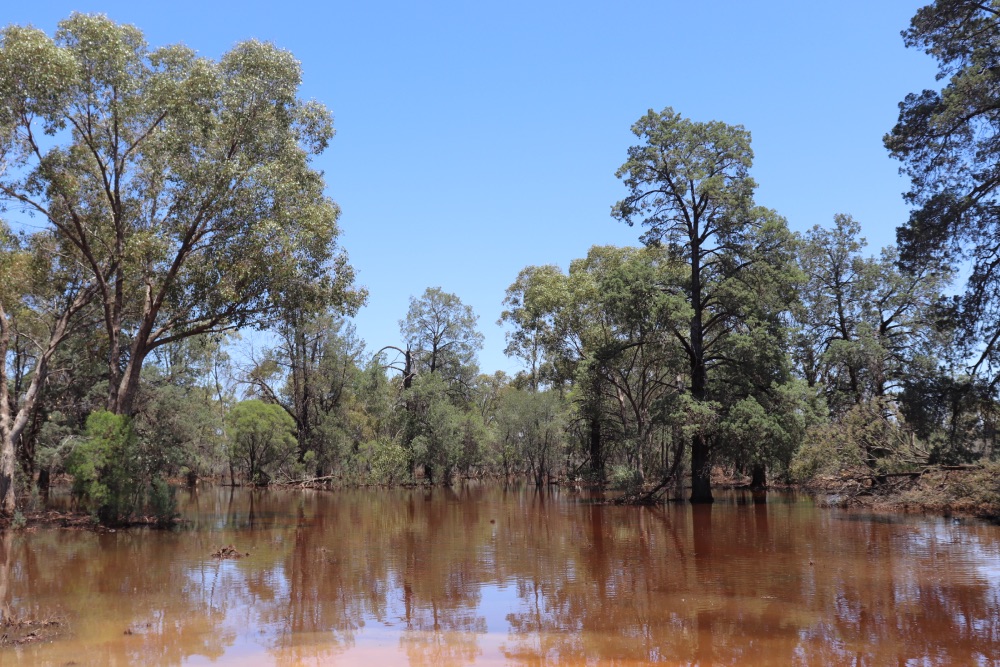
x=596, y=455
x=758, y=476
x=701, y=479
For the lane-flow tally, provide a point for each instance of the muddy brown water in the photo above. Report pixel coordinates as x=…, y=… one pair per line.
x=490, y=576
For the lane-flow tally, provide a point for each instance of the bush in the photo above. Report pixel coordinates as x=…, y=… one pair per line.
x=388, y=462
x=107, y=470
x=625, y=478
x=162, y=502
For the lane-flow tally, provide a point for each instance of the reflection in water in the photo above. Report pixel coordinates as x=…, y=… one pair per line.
x=509, y=575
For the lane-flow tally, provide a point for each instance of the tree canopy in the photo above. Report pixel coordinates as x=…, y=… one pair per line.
x=183, y=185
x=948, y=141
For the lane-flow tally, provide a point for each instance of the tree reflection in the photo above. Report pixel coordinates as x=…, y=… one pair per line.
x=583, y=583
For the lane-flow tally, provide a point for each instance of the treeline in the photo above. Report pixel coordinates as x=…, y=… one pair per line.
x=166, y=202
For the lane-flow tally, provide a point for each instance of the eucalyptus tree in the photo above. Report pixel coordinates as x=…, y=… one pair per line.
x=183, y=185
x=948, y=141
x=689, y=184
x=41, y=294
x=607, y=326
x=441, y=331
x=311, y=373
x=529, y=307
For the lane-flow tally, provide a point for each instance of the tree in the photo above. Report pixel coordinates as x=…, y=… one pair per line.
x=263, y=440
x=530, y=304
x=689, y=185
x=949, y=144
x=40, y=296
x=441, y=331
x=184, y=186
x=864, y=326
x=529, y=432
x=309, y=373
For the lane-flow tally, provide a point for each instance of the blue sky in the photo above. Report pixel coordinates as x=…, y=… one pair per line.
x=477, y=138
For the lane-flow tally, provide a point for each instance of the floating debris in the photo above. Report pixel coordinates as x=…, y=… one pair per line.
x=19, y=631
x=229, y=552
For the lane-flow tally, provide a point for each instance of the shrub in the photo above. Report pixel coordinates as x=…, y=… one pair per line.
x=625, y=478
x=108, y=475
x=388, y=462
x=162, y=502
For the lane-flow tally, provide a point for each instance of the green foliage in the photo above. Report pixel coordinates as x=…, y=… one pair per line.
x=113, y=472
x=387, y=462
x=262, y=441
x=162, y=501
x=625, y=478
x=768, y=429
x=868, y=441
x=216, y=220
x=862, y=324
x=437, y=428
x=529, y=432
x=182, y=427
x=689, y=185
x=441, y=331
x=947, y=142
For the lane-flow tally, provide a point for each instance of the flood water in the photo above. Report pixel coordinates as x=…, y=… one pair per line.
x=488, y=576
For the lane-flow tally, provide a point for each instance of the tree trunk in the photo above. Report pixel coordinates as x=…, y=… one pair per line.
x=12, y=426
x=596, y=455
x=701, y=483
x=758, y=476
x=701, y=479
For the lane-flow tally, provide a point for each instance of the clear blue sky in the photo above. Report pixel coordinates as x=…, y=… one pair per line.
x=476, y=138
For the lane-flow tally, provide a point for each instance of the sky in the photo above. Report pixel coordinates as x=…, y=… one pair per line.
x=477, y=138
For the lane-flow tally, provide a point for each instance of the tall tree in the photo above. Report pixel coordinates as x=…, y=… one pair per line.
x=949, y=143
x=689, y=185
x=310, y=373
x=183, y=185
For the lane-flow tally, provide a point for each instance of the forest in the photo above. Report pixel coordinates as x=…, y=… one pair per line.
x=175, y=209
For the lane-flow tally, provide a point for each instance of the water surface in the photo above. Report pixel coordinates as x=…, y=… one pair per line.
x=490, y=576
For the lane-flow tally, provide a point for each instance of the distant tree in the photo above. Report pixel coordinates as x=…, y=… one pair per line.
x=262, y=437
x=441, y=331
x=864, y=326
x=529, y=306
x=310, y=374
x=528, y=433
x=689, y=185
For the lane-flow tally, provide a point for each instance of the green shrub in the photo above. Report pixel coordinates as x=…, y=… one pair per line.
x=388, y=462
x=162, y=502
x=107, y=468
x=625, y=478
